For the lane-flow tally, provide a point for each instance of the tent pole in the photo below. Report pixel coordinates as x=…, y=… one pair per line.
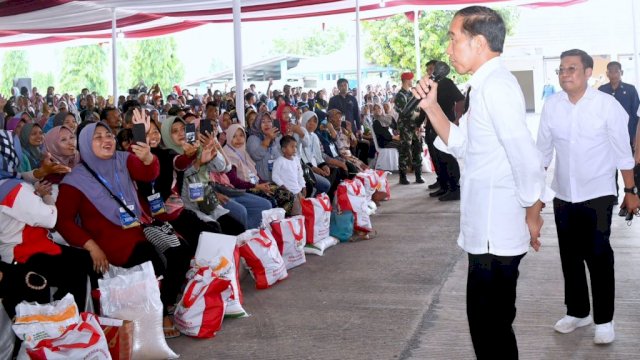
x=237, y=50
x=114, y=57
x=416, y=42
x=358, y=57
x=635, y=44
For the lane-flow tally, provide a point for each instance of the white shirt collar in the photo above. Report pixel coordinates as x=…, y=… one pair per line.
x=483, y=71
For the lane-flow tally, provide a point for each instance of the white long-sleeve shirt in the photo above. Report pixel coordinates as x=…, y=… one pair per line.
x=590, y=140
x=503, y=172
x=288, y=173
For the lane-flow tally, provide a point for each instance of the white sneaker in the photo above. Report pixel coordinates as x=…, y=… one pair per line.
x=569, y=323
x=604, y=333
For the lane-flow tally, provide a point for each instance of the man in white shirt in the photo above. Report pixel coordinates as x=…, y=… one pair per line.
x=588, y=131
x=503, y=180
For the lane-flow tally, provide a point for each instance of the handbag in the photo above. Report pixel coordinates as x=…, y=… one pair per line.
x=210, y=200
x=309, y=178
x=159, y=233
x=341, y=225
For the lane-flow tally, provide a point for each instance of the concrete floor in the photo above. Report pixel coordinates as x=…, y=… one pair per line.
x=402, y=296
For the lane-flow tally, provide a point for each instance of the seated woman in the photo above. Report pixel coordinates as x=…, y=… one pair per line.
x=383, y=127
x=185, y=222
x=30, y=262
x=174, y=138
x=245, y=207
x=31, y=141
x=310, y=152
x=243, y=173
x=106, y=229
x=263, y=145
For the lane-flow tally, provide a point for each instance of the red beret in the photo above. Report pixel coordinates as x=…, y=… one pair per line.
x=406, y=76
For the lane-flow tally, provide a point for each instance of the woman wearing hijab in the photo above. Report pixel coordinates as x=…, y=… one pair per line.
x=184, y=221
x=263, y=145
x=244, y=206
x=174, y=138
x=284, y=115
x=311, y=154
x=382, y=127
x=30, y=262
x=106, y=229
x=31, y=141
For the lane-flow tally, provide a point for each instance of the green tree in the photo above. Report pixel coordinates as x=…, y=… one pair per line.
x=42, y=80
x=14, y=65
x=391, y=40
x=84, y=67
x=318, y=42
x=155, y=61
x=124, y=60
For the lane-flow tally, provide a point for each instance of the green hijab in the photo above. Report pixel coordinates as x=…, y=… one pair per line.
x=165, y=131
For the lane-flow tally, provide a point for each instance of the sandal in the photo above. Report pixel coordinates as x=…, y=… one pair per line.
x=170, y=332
x=361, y=235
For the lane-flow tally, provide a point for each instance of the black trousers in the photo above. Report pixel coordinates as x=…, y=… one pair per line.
x=491, y=305
x=189, y=226
x=430, y=137
x=583, y=237
x=178, y=259
x=66, y=271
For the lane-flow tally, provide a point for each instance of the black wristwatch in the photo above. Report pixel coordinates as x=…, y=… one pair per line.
x=632, y=190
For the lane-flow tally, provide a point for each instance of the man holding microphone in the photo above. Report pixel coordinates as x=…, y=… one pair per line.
x=503, y=183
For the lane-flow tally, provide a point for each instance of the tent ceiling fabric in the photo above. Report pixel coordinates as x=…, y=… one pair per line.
x=33, y=22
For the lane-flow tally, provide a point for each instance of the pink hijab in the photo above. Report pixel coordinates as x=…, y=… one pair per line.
x=239, y=157
x=52, y=146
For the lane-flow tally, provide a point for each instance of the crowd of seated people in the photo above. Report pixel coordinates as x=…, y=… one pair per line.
x=71, y=171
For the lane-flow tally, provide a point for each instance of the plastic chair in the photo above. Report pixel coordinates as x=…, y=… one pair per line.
x=386, y=158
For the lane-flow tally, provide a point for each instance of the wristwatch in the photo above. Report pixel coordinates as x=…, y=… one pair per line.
x=632, y=190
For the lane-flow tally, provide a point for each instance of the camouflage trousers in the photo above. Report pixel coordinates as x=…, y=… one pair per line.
x=410, y=150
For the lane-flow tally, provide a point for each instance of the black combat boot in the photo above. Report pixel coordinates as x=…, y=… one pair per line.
x=403, y=178
x=419, y=177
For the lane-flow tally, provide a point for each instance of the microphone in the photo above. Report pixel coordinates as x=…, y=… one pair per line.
x=440, y=71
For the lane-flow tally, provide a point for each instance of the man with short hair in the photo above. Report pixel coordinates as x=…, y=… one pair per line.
x=410, y=151
x=588, y=131
x=503, y=181
x=111, y=116
x=249, y=101
x=626, y=94
x=347, y=104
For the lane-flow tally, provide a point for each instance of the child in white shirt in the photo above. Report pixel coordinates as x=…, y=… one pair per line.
x=287, y=170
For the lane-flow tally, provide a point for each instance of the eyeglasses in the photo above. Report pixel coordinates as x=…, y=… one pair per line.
x=567, y=71
x=105, y=137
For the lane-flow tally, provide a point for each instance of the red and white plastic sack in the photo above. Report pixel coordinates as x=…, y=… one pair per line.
x=84, y=340
x=35, y=322
x=133, y=294
x=317, y=217
x=201, y=309
x=385, y=186
x=427, y=163
x=291, y=238
x=317, y=221
x=259, y=251
x=351, y=196
x=211, y=246
x=370, y=180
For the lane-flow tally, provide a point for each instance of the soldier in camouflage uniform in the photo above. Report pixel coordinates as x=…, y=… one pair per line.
x=410, y=150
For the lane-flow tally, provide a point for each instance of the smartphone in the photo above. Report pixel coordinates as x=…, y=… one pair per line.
x=139, y=133
x=206, y=127
x=292, y=119
x=190, y=133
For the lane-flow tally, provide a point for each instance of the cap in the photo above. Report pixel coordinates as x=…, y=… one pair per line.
x=406, y=76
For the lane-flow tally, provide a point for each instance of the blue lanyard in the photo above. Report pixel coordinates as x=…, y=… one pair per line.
x=108, y=185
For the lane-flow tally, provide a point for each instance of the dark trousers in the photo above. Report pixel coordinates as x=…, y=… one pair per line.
x=430, y=137
x=178, y=259
x=66, y=271
x=189, y=226
x=583, y=237
x=491, y=305
x=448, y=170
